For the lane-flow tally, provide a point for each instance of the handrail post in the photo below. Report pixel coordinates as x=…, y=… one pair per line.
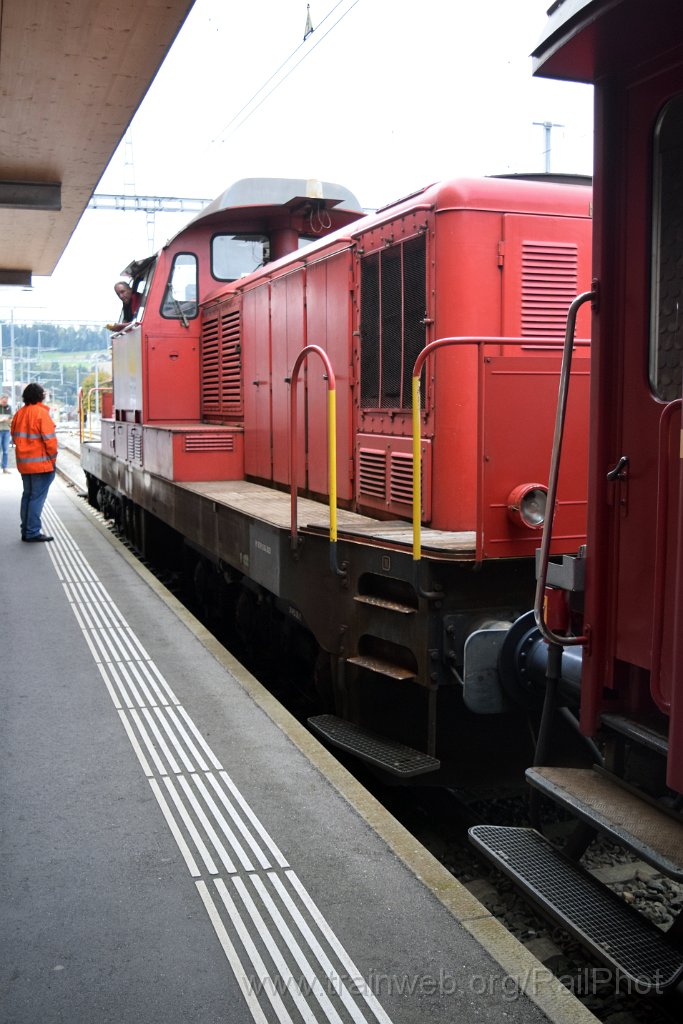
x=331, y=449
x=546, y=539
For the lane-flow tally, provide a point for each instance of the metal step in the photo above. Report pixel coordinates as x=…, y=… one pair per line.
x=381, y=666
x=618, y=935
x=636, y=731
x=393, y=757
x=627, y=818
x=383, y=602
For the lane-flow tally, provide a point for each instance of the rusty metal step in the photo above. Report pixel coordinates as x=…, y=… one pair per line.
x=596, y=798
x=383, y=602
x=616, y=933
x=381, y=666
x=396, y=758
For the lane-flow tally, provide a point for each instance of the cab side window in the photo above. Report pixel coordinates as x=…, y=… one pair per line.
x=180, y=297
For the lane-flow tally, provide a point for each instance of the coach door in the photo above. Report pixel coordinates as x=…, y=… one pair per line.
x=644, y=492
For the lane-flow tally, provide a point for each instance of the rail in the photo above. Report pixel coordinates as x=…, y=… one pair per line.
x=480, y=342
x=558, y=436
x=84, y=408
x=331, y=450
x=661, y=553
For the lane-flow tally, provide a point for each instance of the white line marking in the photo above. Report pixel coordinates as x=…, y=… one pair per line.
x=200, y=739
x=160, y=767
x=319, y=952
x=110, y=688
x=253, y=954
x=189, y=766
x=231, y=955
x=222, y=823
x=256, y=849
x=349, y=966
x=190, y=826
x=304, y=966
x=208, y=827
x=270, y=843
x=175, y=831
x=136, y=746
x=170, y=712
x=175, y=767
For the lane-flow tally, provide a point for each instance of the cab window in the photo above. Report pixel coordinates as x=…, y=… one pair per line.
x=666, y=330
x=180, y=296
x=235, y=256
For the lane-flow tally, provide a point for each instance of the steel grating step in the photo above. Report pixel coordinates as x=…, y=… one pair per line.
x=600, y=920
x=626, y=817
x=393, y=757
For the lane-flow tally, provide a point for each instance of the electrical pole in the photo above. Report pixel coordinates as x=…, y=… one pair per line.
x=547, y=127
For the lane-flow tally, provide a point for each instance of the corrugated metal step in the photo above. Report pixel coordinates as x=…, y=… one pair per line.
x=393, y=757
x=381, y=666
x=601, y=921
x=596, y=798
x=383, y=602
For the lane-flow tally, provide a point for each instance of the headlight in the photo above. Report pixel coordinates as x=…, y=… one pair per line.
x=526, y=505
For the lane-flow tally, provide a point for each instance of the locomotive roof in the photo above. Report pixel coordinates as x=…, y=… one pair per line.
x=586, y=39
x=263, y=196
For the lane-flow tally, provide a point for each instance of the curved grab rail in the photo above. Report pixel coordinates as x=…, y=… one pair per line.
x=546, y=540
x=85, y=406
x=479, y=341
x=331, y=449
x=661, y=554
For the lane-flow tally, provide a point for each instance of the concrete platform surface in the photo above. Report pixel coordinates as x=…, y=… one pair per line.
x=175, y=848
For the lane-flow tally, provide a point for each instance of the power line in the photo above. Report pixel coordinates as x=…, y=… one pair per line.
x=221, y=135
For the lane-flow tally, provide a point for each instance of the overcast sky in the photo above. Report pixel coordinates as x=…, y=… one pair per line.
x=382, y=98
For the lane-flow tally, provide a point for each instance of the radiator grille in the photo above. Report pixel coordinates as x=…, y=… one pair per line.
x=134, y=447
x=221, y=372
x=209, y=442
x=549, y=286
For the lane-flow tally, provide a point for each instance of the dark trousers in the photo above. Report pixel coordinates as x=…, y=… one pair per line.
x=36, y=486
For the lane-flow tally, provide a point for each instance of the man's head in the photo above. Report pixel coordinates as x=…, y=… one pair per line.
x=32, y=394
x=3, y=399
x=123, y=291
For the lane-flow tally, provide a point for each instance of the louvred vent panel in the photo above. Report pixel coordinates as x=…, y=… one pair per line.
x=549, y=286
x=221, y=361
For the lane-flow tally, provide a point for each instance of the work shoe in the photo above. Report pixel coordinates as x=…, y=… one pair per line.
x=39, y=537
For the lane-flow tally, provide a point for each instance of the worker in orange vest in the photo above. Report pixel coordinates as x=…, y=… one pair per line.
x=35, y=442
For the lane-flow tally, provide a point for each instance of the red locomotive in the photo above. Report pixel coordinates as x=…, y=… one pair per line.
x=400, y=572
x=630, y=577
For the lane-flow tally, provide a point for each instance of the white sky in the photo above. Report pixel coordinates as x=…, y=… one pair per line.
x=393, y=97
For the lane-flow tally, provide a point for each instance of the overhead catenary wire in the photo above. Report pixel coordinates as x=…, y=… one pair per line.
x=222, y=136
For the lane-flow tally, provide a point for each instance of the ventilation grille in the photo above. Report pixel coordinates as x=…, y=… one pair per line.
x=134, y=447
x=549, y=286
x=372, y=474
x=209, y=442
x=401, y=487
x=221, y=372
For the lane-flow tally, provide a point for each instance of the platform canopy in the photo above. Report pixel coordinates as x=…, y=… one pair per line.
x=72, y=75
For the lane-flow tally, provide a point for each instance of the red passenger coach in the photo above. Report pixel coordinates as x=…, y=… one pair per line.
x=631, y=573
x=399, y=573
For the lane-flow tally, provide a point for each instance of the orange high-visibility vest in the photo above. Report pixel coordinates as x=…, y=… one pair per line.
x=35, y=439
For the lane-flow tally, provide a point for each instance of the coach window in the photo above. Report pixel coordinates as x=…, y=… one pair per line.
x=180, y=297
x=666, y=331
x=235, y=256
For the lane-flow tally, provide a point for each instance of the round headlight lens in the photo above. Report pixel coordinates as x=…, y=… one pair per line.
x=527, y=505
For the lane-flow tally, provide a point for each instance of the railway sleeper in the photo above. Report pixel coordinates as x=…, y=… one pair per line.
x=613, y=931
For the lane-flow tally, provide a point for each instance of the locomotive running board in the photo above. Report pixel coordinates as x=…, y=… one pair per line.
x=395, y=758
x=618, y=935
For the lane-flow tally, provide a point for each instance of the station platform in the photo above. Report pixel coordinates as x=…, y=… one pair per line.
x=177, y=849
